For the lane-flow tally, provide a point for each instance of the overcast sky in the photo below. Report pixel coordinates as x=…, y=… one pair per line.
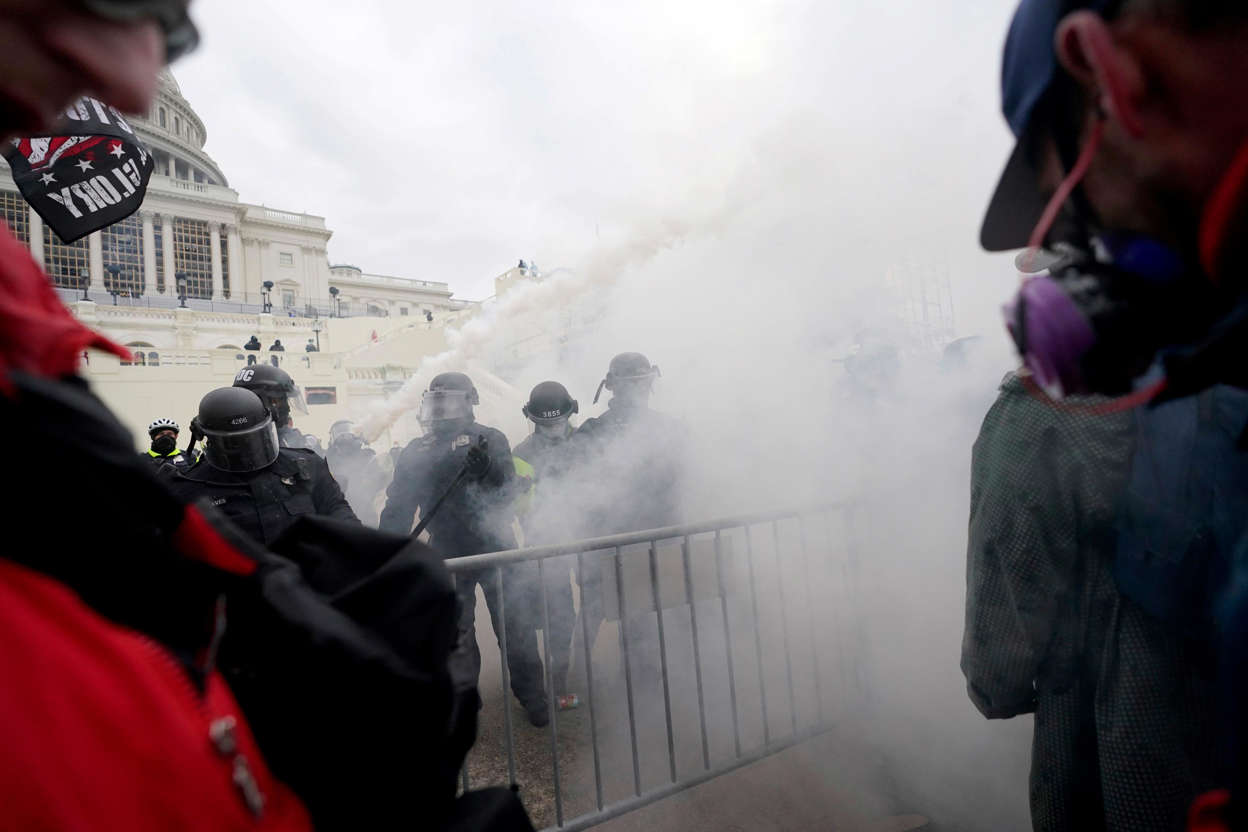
x=444, y=141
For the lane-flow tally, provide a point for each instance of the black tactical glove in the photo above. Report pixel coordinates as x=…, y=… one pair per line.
x=478, y=462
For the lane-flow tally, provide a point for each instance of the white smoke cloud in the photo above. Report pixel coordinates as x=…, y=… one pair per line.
x=730, y=189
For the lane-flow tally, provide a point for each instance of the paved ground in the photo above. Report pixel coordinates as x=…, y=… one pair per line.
x=802, y=789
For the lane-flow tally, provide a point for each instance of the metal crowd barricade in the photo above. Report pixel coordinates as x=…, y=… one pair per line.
x=806, y=554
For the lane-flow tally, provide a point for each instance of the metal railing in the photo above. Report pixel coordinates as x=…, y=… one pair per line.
x=703, y=613
x=239, y=304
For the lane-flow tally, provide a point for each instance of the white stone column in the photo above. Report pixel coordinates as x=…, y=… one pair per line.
x=95, y=261
x=149, y=253
x=253, y=269
x=214, y=249
x=35, y=224
x=172, y=173
x=238, y=271
x=309, y=276
x=166, y=255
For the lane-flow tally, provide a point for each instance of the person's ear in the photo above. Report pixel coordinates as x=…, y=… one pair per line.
x=1112, y=75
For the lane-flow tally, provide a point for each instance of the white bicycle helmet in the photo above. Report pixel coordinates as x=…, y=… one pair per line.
x=163, y=423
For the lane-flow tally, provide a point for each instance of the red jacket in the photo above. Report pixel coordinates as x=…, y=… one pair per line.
x=101, y=728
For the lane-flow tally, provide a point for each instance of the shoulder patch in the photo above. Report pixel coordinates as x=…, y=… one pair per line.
x=460, y=441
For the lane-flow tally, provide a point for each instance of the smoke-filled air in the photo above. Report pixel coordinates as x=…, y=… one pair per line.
x=777, y=205
x=798, y=274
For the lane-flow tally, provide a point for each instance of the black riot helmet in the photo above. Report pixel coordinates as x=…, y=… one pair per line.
x=629, y=371
x=239, y=433
x=448, y=402
x=275, y=388
x=342, y=435
x=549, y=402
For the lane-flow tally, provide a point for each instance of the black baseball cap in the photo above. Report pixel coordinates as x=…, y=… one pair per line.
x=1028, y=70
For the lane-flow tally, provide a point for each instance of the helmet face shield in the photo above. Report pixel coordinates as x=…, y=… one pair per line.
x=296, y=400
x=244, y=451
x=444, y=406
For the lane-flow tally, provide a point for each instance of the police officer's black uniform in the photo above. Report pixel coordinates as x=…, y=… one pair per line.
x=164, y=445
x=635, y=451
x=629, y=460
x=548, y=514
x=355, y=467
x=175, y=459
x=262, y=488
x=474, y=519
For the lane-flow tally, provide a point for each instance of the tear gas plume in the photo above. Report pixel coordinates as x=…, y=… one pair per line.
x=529, y=304
x=799, y=291
x=802, y=373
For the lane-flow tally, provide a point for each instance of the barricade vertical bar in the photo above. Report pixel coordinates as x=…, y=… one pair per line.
x=502, y=651
x=810, y=608
x=784, y=626
x=589, y=684
x=758, y=636
x=697, y=655
x=550, y=692
x=732, y=679
x=628, y=673
x=667, y=696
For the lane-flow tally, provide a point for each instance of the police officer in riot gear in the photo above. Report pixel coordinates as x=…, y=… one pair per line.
x=279, y=393
x=262, y=487
x=638, y=448
x=628, y=473
x=355, y=467
x=541, y=460
x=474, y=518
x=164, y=451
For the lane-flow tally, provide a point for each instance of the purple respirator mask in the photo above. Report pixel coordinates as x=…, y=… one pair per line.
x=1096, y=322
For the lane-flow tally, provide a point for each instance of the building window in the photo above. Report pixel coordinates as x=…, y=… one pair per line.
x=122, y=243
x=403, y=311
x=68, y=264
x=375, y=311
x=288, y=298
x=158, y=243
x=192, y=256
x=177, y=124
x=321, y=395
x=344, y=308
x=163, y=123
x=140, y=357
x=285, y=258
x=15, y=215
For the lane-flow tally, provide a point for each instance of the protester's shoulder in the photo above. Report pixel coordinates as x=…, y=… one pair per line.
x=1020, y=403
